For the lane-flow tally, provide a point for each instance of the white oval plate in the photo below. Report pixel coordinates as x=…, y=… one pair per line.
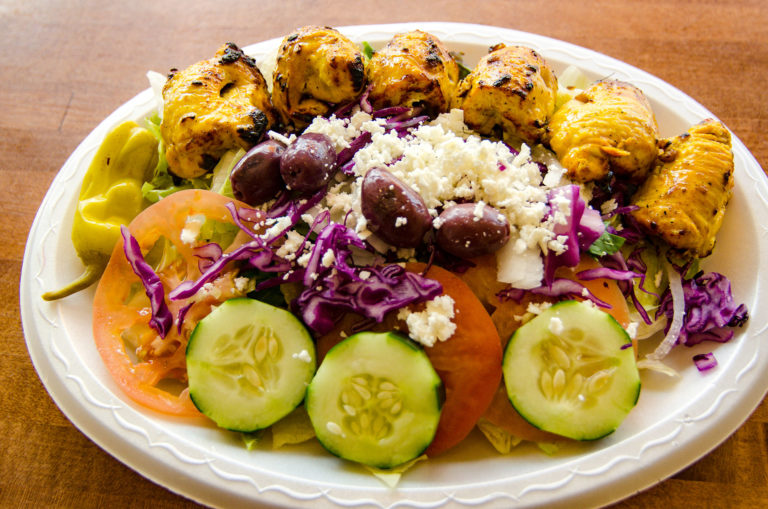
x=675, y=423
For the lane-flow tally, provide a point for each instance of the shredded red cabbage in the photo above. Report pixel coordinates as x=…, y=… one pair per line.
x=618, y=211
x=635, y=262
x=607, y=273
x=386, y=289
x=583, y=226
x=181, y=315
x=188, y=288
x=161, y=319
x=705, y=361
x=630, y=230
x=286, y=205
x=560, y=287
x=392, y=111
x=334, y=286
x=207, y=255
x=617, y=262
x=710, y=310
x=345, y=156
x=365, y=103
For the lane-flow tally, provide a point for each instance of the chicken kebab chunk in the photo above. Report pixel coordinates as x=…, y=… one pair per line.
x=211, y=107
x=317, y=69
x=510, y=93
x=413, y=69
x=683, y=200
x=609, y=127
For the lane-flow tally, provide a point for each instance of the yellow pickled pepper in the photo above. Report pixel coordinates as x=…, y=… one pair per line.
x=109, y=197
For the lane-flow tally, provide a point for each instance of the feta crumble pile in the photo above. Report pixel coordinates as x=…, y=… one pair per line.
x=446, y=163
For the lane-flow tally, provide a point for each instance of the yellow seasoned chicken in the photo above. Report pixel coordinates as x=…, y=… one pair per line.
x=608, y=127
x=317, y=69
x=413, y=69
x=684, y=198
x=511, y=92
x=211, y=107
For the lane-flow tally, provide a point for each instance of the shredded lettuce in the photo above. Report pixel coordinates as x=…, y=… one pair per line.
x=368, y=51
x=294, y=428
x=463, y=70
x=220, y=182
x=163, y=183
x=607, y=243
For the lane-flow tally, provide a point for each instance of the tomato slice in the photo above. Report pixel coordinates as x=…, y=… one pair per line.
x=468, y=363
x=604, y=289
x=152, y=370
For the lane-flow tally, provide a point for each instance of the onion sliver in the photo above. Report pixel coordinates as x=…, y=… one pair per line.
x=678, y=316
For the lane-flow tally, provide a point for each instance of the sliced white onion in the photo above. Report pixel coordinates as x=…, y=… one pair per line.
x=678, y=308
x=157, y=82
x=658, y=366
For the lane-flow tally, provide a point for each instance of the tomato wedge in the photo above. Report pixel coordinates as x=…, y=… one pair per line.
x=152, y=370
x=468, y=363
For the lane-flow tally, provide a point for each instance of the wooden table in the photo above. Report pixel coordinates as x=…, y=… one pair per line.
x=66, y=65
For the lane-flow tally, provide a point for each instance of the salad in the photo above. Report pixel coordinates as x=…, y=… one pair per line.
x=391, y=261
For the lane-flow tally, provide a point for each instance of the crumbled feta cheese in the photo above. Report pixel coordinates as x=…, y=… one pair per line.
x=208, y=289
x=445, y=162
x=538, y=308
x=556, y=326
x=192, y=229
x=242, y=284
x=303, y=260
x=632, y=330
x=289, y=248
x=302, y=356
x=285, y=140
x=477, y=212
x=328, y=258
x=401, y=221
x=278, y=226
x=433, y=324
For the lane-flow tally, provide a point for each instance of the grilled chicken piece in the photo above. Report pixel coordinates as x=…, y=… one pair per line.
x=608, y=127
x=211, y=107
x=512, y=89
x=413, y=69
x=317, y=69
x=684, y=198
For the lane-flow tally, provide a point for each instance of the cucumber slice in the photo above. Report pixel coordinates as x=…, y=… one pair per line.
x=572, y=371
x=249, y=364
x=375, y=400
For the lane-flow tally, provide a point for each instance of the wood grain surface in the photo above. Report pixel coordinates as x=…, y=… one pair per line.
x=67, y=64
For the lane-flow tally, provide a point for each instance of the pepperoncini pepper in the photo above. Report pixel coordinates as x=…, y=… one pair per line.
x=109, y=197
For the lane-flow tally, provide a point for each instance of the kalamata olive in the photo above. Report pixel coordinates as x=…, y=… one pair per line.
x=256, y=177
x=468, y=230
x=394, y=211
x=308, y=163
